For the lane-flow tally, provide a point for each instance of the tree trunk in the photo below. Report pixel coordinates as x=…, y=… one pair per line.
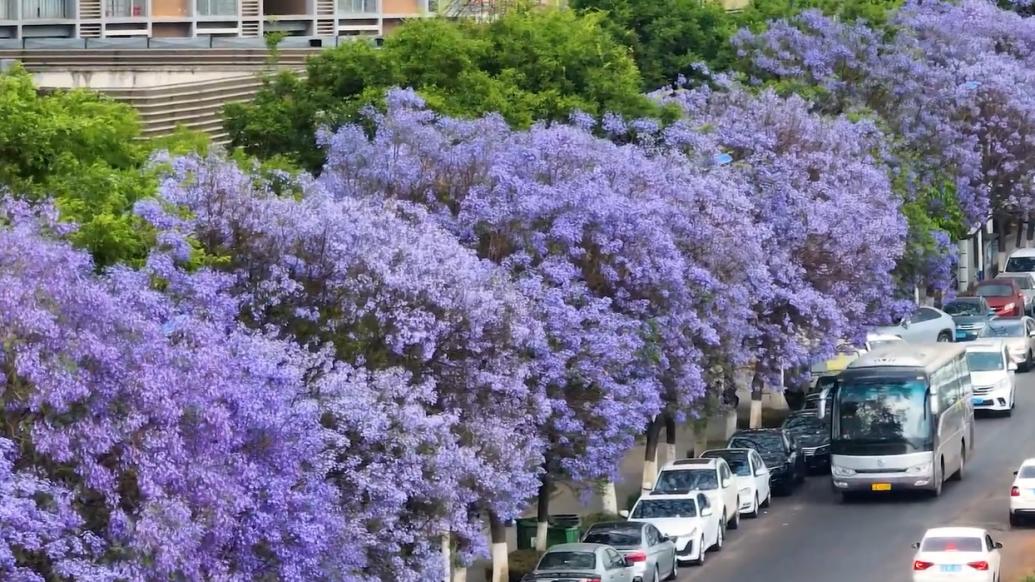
x=1030, y=233
x=650, y=454
x=670, y=438
x=447, y=557
x=543, y=513
x=1001, y=245
x=500, y=557
x=460, y=574
x=608, y=497
x=757, y=383
x=1019, y=241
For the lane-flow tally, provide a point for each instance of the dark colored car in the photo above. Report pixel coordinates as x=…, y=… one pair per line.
x=1003, y=295
x=813, y=433
x=971, y=315
x=780, y=451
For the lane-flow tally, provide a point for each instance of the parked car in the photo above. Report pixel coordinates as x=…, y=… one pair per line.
x=565, y=562
x=926, y=324
x=712, y=476
x=1022, y=493
x=1021, y=261
x=687, y=518
x=752, y=477
x=651, y=553
x=1019, y=337
x=781, y=453
x=1003, y=295
x=971, y=315
x=813, y=432
x=1026, y=281
x=991, y=374
x=877, y=340
x=956, y=553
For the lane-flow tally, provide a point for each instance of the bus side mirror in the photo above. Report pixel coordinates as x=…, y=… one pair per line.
x=916, y=545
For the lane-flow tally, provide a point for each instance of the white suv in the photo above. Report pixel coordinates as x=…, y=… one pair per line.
x=710, y=476
x=992, y=375
x=1022, y=494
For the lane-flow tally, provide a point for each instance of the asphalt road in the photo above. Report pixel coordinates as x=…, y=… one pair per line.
x=812, y=536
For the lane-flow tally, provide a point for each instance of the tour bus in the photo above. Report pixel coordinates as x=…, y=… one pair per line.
x=902, y=419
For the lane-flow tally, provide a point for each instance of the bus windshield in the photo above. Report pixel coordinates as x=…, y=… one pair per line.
x=884, y=412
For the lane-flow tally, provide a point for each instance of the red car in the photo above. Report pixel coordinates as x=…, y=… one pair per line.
x=1003, y=295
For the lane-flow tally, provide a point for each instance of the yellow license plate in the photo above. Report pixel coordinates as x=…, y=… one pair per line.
x=881, y=487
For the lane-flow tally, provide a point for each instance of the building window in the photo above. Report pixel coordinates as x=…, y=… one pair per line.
x=125, y=8
x=33, y=9
x=217, y=7
x=8, y=9
x=357, y=6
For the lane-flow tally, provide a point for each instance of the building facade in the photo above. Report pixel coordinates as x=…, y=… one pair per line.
x=199, y=19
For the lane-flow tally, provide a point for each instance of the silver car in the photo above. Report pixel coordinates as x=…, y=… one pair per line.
x=926, y=325
x=1026, y=281
x=1019, y=337
x=652, y=555
x=565, y=562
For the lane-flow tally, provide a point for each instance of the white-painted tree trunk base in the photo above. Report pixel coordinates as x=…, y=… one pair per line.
x=755, y=421
x=500, y=563
x=460, y=574
x=447, y=557
x=670, y=453
x=608, y=497
x=541, y=530
x=650, y=471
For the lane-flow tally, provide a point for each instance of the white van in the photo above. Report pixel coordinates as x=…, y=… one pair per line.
x=992, y=375
x=1021, y=261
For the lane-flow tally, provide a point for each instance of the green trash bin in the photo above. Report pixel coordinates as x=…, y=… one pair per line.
x=526, y=528
x=564, y=529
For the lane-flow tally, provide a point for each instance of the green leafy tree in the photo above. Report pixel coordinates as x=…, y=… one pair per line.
x=528, y=65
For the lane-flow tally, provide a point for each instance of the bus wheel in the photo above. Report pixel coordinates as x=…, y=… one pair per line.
x=937, y=491
x=958, y=475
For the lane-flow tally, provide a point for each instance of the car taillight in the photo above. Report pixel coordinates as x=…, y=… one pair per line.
x=637, y=556
x=982, y=565
x=1015, y=491
x=921, y=565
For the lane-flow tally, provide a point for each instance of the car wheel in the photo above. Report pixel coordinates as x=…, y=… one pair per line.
x=768, y=499
x=719, y=539
x=945, y=337
x=736, y=516
x=1028, y=363
x=1014, y=520
x=754, y=508
x=675, y=569
x=657, y=576
x=700, y=552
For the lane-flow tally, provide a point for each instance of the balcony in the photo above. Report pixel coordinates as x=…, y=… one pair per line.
x=354, y=7
x=125, y=8
x=217, y=7
x=47, y=9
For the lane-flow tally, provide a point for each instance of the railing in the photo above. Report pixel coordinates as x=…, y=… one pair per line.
x=357, y=6
x=46, y=9
x=217, y=8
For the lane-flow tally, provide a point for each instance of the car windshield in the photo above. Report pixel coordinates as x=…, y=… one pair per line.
x=678, y=480
x=659, y=508
x=1024, y=281
x=1003, y=328
x=805, y=423
x=568, y=561
x=883, y=410
x=760, y=441
x=1027, y=472
x=1020, y=265
x=994, y=291
x=952, y=544
x=737, y=460
x=617, y=538
x=985, y=361
x=963, y=308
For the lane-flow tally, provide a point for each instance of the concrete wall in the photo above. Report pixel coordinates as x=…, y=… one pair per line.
x=127, y=78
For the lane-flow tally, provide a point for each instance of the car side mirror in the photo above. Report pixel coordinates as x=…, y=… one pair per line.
x=999, y=545
x=725, y=483
x=1015, y=473
x=1031, y=334
x=1012, y=366
x=916, y=545
x=706, y=512
x=624, y=513
x=905, y=323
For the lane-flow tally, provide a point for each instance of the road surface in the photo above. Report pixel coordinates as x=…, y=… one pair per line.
x=813, y=537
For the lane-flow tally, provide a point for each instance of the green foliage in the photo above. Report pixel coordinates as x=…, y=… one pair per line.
x=82, y=150
x=528, y=65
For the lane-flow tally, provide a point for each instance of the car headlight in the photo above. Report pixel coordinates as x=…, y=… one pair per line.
x=1009, y=306
x=921, y=468
x=842, y=471
x=1002, y=384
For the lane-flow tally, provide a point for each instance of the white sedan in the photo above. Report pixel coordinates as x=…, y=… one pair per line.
x=926, y=325
x=687, y=518
x=967, y=554
x=1022, y=493
x=752, y=477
